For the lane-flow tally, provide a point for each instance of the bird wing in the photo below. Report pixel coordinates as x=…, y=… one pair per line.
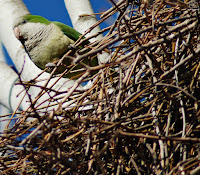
x=68, y=31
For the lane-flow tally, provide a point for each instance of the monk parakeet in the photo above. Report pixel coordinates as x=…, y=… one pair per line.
x=46, y=41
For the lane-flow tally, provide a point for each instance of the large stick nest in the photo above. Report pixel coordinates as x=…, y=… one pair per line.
x=141, y=115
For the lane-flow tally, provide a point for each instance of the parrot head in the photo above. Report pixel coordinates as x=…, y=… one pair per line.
x=28, y=25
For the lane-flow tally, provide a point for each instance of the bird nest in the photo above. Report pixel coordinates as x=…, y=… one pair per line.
x=141, y=114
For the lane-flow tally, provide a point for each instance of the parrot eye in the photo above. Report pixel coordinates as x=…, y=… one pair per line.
x=24, y=21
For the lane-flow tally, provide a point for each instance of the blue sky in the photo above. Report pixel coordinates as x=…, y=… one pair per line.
x=55, y=10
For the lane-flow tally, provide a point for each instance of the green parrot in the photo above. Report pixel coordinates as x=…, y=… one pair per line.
x=46, y=41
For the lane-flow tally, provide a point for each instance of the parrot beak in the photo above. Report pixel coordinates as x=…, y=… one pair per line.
x=17, y=33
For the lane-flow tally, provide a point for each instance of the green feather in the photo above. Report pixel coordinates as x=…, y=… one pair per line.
x=35, y=19
x=68, y=31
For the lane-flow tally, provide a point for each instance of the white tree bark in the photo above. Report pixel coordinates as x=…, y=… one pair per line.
x=2, y=58
x=4, y=120
x=80, y=14
x=8, y=90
